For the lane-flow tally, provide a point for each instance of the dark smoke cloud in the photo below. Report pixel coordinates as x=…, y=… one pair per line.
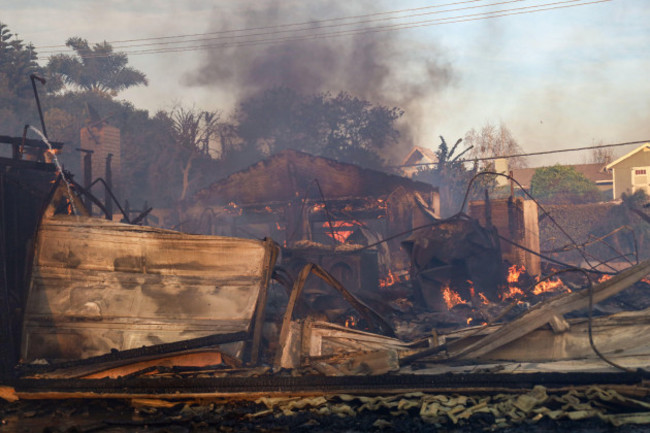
x=378, y=66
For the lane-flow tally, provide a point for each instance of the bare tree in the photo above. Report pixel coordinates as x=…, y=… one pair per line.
x=193, y=132
x=492, y=141
x=601, y=156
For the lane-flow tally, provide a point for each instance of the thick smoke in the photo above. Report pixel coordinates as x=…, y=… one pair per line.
x=377, y=66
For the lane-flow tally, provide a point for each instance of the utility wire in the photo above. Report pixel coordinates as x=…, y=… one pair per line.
x=518, y=155
x=306, y=23
x=394, y=27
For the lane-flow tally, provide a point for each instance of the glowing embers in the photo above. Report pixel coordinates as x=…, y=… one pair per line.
x=340, y=230
x=550, y=286
x=514, y=290
x=451, y=297
x=514, y=272
x=393, y=278
x=233, y=209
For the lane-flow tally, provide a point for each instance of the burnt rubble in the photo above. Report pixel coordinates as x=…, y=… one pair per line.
x=356, y=298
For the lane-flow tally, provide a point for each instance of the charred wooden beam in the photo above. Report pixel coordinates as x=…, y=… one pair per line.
x=546, y=312
x=31, y=142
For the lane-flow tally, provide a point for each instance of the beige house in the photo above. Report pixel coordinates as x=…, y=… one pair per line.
x=417, y=158
x=631, y=172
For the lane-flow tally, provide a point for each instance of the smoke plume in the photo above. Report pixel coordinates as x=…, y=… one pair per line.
x=376, y=66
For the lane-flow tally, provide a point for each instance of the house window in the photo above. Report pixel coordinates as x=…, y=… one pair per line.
x=640, y=179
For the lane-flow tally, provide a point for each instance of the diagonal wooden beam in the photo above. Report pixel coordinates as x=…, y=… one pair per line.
x=544, y=312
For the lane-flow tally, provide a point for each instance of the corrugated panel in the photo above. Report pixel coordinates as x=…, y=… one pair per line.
x=98, y=285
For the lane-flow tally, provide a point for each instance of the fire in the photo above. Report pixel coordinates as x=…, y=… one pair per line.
x=483, y=298
x=388, y=281
x=318, y=207
x=338, y=234
x=514, y=272
x=393, y=278
x=549, y=286
x=451, y=298
x=350, y=322
x=604, y=278
x=513, y=291
x=233, y=208
x=469, y=320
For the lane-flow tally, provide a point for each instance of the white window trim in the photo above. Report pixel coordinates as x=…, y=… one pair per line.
x=645, y=186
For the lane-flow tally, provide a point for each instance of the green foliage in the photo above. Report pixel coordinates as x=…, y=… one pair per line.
x=17, y=63
x=94, y=69
x=562, y=184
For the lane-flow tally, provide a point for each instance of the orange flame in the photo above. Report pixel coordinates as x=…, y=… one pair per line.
x=514, y=272
x=233, y=209
x=483, y=298
x=604, y=278
x=350, y=322
x=549, y=286
x=512, y=292
x=388, y=281
x=469, y=320
x=338, y=234
x=451, y=298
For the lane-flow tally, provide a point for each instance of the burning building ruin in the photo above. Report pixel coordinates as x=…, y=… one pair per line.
x=108, y=310
x=321, y=211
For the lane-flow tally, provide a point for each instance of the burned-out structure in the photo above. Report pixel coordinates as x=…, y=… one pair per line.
x=24, y=189
x=95, y=309
x=322, y=211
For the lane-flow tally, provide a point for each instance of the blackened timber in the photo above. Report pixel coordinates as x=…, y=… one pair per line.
x=17, y=141
x=131, y=354
x=25, y=189
x=223, y=386
x=7, y=348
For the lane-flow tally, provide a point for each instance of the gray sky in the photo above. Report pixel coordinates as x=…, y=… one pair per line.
x=562, y=78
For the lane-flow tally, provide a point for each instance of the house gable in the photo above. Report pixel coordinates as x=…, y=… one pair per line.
x=628, y=171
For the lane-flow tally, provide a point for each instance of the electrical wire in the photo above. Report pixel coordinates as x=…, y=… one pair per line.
x=518, y=155
x=416, y=24
x=311, y=26
x=299, y=24
x=548, y=215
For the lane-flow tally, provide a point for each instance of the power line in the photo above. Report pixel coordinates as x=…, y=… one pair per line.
x=349, y=32
x=312, y=28
x=283, y=30
x=424, y=23
x=519, y=155
x=306, y=23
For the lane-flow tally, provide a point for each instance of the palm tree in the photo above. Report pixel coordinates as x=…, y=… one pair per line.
x=95, y=69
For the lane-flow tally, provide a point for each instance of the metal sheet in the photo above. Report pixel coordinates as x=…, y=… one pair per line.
x=97, y=285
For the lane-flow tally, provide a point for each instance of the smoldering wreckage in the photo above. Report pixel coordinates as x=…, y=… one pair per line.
x=317, y=291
